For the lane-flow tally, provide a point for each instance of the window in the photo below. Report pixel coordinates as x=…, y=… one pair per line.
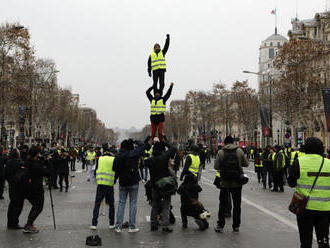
x=271, y=44
x=278, y=44
x=271, y=53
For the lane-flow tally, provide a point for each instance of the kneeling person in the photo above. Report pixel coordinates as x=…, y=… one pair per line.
x=190, y=205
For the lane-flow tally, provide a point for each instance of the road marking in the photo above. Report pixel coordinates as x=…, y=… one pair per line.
x=261, y=208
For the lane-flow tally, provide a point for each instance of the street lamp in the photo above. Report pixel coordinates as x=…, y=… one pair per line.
x=269, y=79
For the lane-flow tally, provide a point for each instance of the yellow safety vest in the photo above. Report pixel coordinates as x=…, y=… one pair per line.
x=319, y=199
x=276, y=165
x=195, y=163
x=157, y=60
x=148, y=152
x=157, y=108
x=104, y=173
x=259, y=165
x=90, y=156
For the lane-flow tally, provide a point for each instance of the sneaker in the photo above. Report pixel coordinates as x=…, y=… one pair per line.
x=92, y=227
x=133, y=230
x=30, y=229
x=90, y=241
x=218, y=229
x=118, y=230
x=143, y=181
x=98, y=240
x=236, y=230
x=112, y=226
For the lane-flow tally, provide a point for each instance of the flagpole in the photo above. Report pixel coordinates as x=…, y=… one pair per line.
x=275, y=20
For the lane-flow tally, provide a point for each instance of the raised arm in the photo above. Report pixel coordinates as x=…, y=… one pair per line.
x=148, y=93
x=167, y=44
x=168, y=93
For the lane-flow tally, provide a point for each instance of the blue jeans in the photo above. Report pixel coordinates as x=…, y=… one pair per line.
x=132, y=191
x=102, y=192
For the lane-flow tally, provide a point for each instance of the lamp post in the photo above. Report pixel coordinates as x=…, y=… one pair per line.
x=269, y=80
x=278, y=136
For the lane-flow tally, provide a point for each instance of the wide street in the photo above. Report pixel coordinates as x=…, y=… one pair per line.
x=266, y=222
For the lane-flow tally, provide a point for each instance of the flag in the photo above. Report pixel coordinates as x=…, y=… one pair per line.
x=326, y=102
x=266, y=131
x=273, y=12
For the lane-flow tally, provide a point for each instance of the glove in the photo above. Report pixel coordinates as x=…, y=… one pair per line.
x=168, y=35
x=149, y=73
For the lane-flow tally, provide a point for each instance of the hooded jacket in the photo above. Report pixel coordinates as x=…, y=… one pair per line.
x=125, y=166
x=242, y=162
x=158, y=163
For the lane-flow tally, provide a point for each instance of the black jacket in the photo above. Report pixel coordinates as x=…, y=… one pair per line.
x=62, y=165
x=167, y=44
x=161, y=117
x=125, y=166
x=37, y=172
x=158, y=164
x=11, y=169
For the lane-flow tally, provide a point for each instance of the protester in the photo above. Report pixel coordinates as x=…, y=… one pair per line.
x=126, y=170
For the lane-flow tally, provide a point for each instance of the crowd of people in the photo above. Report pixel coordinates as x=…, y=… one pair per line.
x=29, y=170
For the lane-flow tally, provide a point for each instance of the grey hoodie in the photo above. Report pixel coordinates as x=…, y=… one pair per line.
x=242, y=161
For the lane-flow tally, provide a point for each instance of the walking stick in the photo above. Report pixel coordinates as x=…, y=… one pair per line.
x=52, y=205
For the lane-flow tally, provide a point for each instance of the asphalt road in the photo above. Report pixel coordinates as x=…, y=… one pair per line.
x=266, y=222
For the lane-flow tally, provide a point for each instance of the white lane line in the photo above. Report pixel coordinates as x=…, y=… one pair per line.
x=261, y=208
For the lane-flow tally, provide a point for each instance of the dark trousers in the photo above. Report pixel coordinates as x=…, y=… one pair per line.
x=307, y=221
x=15, y=205
x=73, y=164
x=278, y=180
x=2, y=185
x=37, y=201
x=267, y=172
x=83, y=163
x=158, y=203
x=236, y=194
x=66, y=179
x=53, y=179
x=104, y=191
x=158, y=75
x=259, y=173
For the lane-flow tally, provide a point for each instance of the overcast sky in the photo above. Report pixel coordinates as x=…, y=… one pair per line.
x=101, y=46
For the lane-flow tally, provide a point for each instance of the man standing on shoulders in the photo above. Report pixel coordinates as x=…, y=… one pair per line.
x=157, y=64
x=229, y=163
x=157, y=111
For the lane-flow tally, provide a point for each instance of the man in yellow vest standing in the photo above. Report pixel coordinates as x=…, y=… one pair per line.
x=192, y=163
x=157, y=64
x=157, y=111
x=105, y=179
x=91, y=160
x=308, y=170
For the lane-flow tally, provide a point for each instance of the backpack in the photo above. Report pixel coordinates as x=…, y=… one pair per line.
x=230, y=166
x=22, y=176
